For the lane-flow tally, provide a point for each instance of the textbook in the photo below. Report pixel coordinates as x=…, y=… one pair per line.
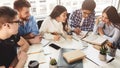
x=62, y=63
x=82, y=35
x=73, y=56
x=94, y=39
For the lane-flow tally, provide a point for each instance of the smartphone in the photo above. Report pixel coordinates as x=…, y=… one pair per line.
x=55, y=46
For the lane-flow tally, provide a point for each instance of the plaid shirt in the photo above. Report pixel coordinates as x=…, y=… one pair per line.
x=76, y=17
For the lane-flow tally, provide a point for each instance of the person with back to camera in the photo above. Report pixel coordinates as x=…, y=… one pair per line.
x=9, y=40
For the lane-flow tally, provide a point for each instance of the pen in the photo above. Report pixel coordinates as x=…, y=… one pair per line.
x=46, y=44
x=75, y=38
x=42, y=62
x=55, y=33
x=110, y=60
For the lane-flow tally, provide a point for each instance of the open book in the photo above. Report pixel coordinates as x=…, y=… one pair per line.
x=82, y=35
x=45, y=42
x=73, y=56
x=95, y=39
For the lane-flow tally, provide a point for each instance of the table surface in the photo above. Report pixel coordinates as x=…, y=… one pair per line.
x=42, y=53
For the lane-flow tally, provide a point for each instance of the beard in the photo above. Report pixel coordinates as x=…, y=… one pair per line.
x=25, y=18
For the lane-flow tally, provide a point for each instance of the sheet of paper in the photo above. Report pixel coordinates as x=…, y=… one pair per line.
x=35, y=48
x=40, y=57
x=93, y=54
x=35, y=52
x=44, y=42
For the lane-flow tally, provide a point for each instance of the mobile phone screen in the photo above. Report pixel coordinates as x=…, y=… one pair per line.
x=54, y=46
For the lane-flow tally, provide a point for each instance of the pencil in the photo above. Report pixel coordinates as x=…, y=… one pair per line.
x=35, y=52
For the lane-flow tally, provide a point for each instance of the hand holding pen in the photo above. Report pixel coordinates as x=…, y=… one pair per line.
x=56, y=36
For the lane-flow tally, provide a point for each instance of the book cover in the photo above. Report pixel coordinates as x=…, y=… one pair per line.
x=62, y=63
x=73, y=56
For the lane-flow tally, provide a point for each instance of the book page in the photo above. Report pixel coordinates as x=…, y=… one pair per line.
x=95, y=39
x=44, y=42
x=81, y=35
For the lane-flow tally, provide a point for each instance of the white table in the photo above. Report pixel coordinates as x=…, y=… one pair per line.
x=68, y=43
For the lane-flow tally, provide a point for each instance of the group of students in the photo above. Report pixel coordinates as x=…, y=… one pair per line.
x=106, y=25
x=19, y=29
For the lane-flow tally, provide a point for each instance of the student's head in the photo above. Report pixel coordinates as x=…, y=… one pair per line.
x=23, y=8
x=110, y=14
x=59, y=13
x=88, y=7
x=8, y=21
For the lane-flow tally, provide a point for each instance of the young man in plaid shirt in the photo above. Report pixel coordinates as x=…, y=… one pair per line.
x=84, y=18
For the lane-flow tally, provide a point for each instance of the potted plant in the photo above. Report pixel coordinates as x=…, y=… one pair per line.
x=103, y=52
x=53, y=63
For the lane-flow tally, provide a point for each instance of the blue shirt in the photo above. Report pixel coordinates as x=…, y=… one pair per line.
x=76, y=18
x=30, y=26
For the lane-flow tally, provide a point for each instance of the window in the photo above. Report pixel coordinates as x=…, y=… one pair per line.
x=72, y=5
x=42, y=8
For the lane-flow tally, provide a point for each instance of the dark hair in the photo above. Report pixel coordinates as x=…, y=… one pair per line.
x=19, y=4
x=57, y=11
x=113, y=15
x=88, y=5
x=7, y=14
